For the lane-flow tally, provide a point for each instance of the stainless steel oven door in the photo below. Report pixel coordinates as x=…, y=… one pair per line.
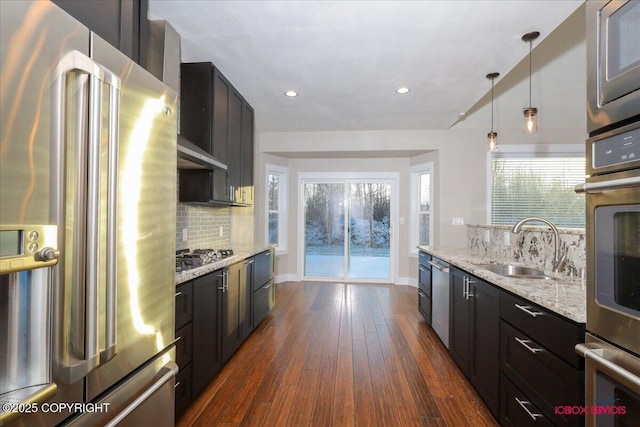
x=612, y=384
x=613, y=258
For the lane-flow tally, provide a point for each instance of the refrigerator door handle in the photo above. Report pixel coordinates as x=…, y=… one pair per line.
x=111, y=299
x=86, y=261
x=172, y=371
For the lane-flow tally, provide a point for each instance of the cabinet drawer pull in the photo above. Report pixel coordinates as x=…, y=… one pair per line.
x=422, y=268
x=177, y=384
x=178, y=294
x=422, y=294
x=526, y=309
x=525, y=345
x=522, y=403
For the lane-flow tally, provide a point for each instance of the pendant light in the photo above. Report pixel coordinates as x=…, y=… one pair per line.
x=492, y=136
x=530, y=113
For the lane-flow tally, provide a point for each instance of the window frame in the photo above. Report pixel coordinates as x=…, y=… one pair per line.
x=282, y=211
x=528, y=151
x=416, y=172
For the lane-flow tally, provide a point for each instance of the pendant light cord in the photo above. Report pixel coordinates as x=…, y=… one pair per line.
x=530, y=43
x=492, y=80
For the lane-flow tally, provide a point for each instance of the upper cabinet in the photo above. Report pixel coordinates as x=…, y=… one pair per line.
x=122, y=23
x=215, y=116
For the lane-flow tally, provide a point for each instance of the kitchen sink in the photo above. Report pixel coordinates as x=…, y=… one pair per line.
x=515, y=271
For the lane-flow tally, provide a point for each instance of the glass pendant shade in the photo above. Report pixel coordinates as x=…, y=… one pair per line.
x=530, y=113
x=492, y=137
x=530, y=120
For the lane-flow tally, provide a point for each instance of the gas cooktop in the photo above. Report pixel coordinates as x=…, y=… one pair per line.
x=186, y=260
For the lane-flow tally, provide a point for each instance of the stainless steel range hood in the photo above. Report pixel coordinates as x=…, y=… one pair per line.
x=190, y=156
x=163, y=61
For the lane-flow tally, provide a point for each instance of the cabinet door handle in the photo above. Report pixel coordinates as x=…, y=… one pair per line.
x=422, y=294
x=527, y=346
x=526, y=309
x=522, y=403
x=177, y=384
x=422, y=268
x=178, y=294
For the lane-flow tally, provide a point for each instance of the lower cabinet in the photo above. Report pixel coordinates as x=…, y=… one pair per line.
x=537, y=359
x=234, y=309
x=215, y=314
x=184, y=345
x=206, y=351
x=425, y=303
x=519, y=356
x=474, y=334
x=516, y=408
x=263, y=286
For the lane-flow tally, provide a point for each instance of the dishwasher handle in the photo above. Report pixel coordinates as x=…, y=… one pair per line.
x=439, y=267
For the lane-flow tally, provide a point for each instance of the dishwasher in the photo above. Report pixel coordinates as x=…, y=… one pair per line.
x=440, y=299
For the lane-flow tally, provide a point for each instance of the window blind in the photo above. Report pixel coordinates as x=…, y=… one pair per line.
x=537, y=186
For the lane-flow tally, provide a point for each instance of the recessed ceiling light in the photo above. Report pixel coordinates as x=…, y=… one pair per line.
x=291, y=93
x=403, y=90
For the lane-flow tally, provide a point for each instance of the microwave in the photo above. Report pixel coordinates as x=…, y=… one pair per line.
x=613, y=58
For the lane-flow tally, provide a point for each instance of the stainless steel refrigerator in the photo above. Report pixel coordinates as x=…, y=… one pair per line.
x=87, y=228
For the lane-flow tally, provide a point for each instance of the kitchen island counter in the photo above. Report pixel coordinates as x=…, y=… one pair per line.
x=563, y=295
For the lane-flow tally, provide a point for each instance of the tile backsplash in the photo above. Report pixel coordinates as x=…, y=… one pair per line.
x=202, y=223
x=533, y=246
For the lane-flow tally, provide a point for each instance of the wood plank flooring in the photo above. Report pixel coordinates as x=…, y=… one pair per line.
x=334, y=354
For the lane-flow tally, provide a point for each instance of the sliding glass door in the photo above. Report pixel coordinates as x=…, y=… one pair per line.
x=347, y=230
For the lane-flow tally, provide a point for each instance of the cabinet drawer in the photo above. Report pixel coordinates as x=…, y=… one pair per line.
x=262, y=269
x=264, y=300
x=516, y=410
x=183, y=390
x=184, y=304
x=183, y=345
x=552, y=381
x=423, y=259
x=554, y=332
x=424, y=305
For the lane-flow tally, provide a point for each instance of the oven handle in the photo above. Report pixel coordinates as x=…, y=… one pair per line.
x=599, y=187
x=616, y=371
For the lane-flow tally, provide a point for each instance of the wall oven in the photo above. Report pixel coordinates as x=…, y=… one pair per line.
x=613, y=55
x=612, y=348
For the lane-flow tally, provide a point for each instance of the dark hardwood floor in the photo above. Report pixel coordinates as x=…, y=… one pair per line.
x=338, y=355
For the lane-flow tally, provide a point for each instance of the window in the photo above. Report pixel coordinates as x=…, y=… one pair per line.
x=526, y=185
x=277, y=206
x=421, y=206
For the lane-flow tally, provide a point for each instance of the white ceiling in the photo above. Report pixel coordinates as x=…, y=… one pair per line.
x=346, y=58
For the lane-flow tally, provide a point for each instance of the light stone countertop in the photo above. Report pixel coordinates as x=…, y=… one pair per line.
x=239, y=254
x=566, y=297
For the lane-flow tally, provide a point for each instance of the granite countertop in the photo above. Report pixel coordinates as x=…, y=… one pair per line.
x=240, y=253
x=563, y=296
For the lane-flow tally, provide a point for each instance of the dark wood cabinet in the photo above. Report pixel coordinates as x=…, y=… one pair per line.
x=263, y=286
x=475, y=332
x=215, y=116
x=121, y=23
x=234, y=309
x=184, y=345
x=247, y=151
x=206, y=351
x=424, y=286
x=459, y=320
x=537, y=360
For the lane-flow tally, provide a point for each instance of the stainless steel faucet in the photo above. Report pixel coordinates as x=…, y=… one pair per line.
x=558, y=260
